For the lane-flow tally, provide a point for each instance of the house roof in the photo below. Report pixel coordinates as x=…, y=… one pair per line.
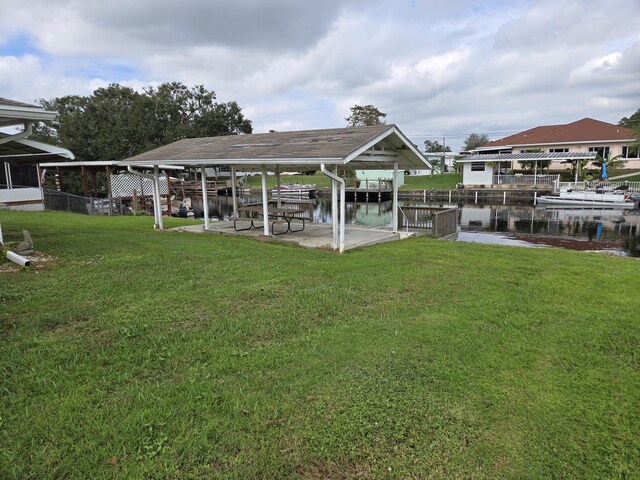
x=13, y=112
x=585, y=130
x=23, y=151
x=523, y=157
x=359, y=147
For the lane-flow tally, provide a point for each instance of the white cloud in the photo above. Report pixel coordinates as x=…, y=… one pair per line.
x=435, y=67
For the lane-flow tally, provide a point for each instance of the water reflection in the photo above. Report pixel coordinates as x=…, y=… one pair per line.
x=614, y=230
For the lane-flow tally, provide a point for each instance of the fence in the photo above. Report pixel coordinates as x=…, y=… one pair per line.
x=440, y=221
x=67, y=202
x=525, y=179
x=596, y=184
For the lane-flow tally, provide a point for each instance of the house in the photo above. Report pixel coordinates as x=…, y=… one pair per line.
x=495, y=170
x=20, y=179
x=582, y=136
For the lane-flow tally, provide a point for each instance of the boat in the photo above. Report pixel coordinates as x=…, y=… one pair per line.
x=599, y=198
x=297, y=190
x=184, y=209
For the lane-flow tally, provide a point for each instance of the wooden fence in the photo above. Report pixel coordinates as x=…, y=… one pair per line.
x=440, y=222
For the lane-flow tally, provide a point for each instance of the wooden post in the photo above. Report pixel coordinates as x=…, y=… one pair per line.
x=107, y=172
x=94, y=180
x=85, y=181
x=168, y=194
x=134, y=202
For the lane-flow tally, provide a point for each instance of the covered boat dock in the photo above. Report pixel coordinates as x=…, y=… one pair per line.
x=336, y=152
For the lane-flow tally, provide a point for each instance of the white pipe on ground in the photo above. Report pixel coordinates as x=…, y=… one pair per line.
x=18, y=259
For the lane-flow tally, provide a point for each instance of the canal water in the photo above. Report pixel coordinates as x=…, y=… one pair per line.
x=615, y=231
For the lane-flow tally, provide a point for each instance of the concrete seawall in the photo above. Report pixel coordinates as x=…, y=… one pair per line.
x=480, y=195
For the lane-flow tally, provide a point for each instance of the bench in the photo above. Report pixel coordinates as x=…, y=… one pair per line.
x=244, y=219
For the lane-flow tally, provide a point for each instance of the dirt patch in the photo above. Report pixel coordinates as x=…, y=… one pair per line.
x=39, y=261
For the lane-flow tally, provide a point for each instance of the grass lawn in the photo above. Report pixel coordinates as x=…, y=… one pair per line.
x=146, y=354
x=447, y=181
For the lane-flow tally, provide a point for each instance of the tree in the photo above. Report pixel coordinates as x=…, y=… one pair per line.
x=362, y=116
x=433, y=146
x=475, y=140
x=632, y=122
x=117, y=122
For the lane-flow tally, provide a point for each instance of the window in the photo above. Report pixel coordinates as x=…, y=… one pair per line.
x=602, y=151
x=558, y=150
x=477, y=166
x=630, y=152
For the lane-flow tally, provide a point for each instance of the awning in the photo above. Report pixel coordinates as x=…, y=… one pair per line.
x=24, y=151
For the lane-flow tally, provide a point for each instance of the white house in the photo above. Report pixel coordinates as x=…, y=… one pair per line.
x=20, y=182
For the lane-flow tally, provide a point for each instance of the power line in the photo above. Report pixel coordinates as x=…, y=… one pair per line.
x=449, y=135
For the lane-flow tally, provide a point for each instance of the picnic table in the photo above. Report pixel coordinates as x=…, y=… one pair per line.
x=276, y=216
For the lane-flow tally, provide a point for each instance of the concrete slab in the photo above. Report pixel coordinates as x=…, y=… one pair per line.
x=315, y=235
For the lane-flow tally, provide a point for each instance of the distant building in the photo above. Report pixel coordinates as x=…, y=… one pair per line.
x=582, y=136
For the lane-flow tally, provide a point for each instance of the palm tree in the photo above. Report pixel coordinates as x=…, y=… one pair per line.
x=612, y=163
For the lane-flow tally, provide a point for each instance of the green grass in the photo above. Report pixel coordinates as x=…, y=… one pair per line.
x=447, y=181
x=147, y=354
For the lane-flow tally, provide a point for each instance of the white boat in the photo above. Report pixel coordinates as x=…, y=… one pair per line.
x=297, y=190
x=600, y=199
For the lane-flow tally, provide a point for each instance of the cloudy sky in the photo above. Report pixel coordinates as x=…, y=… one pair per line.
x=437, y=68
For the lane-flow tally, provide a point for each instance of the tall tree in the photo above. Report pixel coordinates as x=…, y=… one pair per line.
x=117, y=122
x=632, y=122
x=433, y=146
x=475, y=140
x=362, y=116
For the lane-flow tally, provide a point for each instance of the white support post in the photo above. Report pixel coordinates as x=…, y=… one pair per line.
x=394, y=216
x=278, y=193
x=265, y=202
x=205, y=203
x=343, y=212
x=158, y=206
x=7, y=175
x=234, y=193
x=334, y=209
x=154, y=196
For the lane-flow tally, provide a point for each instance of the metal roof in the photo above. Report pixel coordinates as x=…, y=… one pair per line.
x=15, y=113
x=508, y=157
x=23, y=151
x=370, y=147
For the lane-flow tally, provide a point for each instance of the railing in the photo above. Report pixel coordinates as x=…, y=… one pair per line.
x=557, y=186
x=441, y=221
x=525, y=179
x=593, y=185
x=630, y=186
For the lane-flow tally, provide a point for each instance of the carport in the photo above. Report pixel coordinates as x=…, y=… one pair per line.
x=332, y=151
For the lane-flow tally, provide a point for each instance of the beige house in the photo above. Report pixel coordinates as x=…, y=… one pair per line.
x=582, y=136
